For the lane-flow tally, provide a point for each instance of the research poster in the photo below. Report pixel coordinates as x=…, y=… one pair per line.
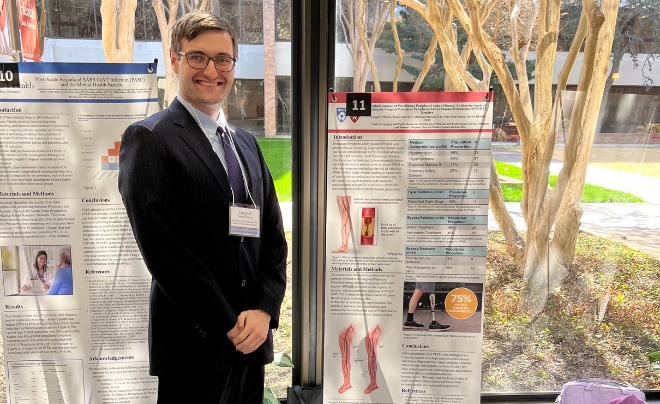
x=406, y=230
x=75, y=291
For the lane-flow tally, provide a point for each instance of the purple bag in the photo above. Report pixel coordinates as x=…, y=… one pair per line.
x=596, y=391
x=627, y=400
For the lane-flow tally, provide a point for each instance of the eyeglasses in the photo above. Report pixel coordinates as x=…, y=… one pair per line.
x=201, y=61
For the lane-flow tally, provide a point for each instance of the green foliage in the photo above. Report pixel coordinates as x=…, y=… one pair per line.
x=277, y=153
x=283, y=360
x=269, y=397
x=637, y=27
x=592, y=193
x=283, y=188
x=655, y=357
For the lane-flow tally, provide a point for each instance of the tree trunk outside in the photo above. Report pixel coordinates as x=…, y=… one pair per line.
x=515, y=245
x=567, y=223
x=118, y=30
x=171, y=84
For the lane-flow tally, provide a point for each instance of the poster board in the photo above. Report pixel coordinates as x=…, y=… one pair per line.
x=407, y=221
x=60, y=134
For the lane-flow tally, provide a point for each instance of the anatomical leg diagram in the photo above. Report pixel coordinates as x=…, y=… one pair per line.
x=345, y=338
x=344, y=203
x=372, y=344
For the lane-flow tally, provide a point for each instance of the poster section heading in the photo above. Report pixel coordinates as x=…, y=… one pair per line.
x=91, y=82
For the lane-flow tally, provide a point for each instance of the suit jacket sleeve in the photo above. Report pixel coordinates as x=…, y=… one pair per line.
x=273, y=252
x=145, y=182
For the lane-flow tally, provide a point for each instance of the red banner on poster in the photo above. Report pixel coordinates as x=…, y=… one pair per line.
x=5, y=47
x=3, y=14
x=27, y=13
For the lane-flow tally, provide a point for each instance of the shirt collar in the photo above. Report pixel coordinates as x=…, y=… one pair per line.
x=209, y=124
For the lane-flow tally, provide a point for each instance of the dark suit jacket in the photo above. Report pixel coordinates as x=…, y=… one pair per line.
x=177, y=197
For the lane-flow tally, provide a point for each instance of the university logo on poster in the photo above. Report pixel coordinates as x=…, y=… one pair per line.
x=27, y=12
x=5, y=47
x=341, y=114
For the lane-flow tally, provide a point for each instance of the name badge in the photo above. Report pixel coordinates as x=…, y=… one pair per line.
x=244, y=220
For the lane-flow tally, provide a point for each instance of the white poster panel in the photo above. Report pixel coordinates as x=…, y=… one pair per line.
x=406, y=230
x=75, y=295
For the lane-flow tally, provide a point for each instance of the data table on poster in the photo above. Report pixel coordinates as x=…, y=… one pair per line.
x=442, y=241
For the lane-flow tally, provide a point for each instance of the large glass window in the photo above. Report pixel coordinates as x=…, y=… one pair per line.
x=73, y=19
x=245, y=106
x=252, y=21
x=283, y=22
x=284, y=105
x=82, y=19
x=593, y=313
x=246, y=17
x=146, y=23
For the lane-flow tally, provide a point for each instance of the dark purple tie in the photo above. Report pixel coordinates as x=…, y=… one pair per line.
x=233, y=168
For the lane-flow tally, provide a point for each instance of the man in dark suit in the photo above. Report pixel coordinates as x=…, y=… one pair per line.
x=216, y=292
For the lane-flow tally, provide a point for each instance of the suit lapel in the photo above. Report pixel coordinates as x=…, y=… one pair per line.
x=192, y=134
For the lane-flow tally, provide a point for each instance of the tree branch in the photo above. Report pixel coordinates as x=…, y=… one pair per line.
x=343, y=27
x=429, y=60
x=362, y=32
x=515, y=245
x=417, y=6
x=495, y=57
x=397, y=46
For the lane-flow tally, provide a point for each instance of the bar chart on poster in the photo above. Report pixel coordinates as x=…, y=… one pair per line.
x=406, y=232
x=111, y=161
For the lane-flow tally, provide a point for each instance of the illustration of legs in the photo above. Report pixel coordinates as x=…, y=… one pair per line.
x=372, y=347
x=345, y=338
x=435, y=326
x=344, y=203
x=410, y=323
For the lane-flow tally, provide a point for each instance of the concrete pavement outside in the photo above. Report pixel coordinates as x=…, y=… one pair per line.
x=635, y=224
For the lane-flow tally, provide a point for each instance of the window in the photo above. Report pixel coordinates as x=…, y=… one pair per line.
x=284, y=105
x=246, y=17
x=73, y=18
x=343, y=84
x=146, y=23
x=597, y=316
x=245, y=106
x=283, y=19
x=252, y=21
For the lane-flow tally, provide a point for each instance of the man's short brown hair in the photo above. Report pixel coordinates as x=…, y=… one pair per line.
x=196, y=22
